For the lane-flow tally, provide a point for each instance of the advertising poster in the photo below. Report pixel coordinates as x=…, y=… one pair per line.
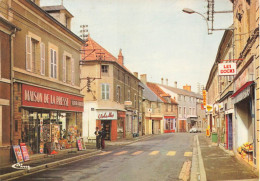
x=79, y=143
x=24, y=152
x=18, y=153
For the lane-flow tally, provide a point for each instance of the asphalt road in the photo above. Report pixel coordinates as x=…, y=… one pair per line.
x=158, y=158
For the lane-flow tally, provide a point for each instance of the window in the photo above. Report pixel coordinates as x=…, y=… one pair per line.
x=194, y=111
x=118, y=93
x=190, y=111
x=53, y=68
x=166, y=107
x=135, y=102
x=104, y=68
x=171, y=108
x=129, y=95
x=180, y=111
x=68, y=69
x=105, y=91
x=184, y=111
x=31, y=53
x=42, y=59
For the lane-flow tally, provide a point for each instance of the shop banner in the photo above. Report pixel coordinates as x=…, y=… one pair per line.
x=204, y=94
x=24, y=152
x=107, y=115
x=18, y=153
x=45, y=98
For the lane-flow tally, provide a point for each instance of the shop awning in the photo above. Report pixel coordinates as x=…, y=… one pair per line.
x=169, y=117
x=242, y=88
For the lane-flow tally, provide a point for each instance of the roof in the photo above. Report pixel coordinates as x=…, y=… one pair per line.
x=149, y=94
x=55, y=21
x=160, y=93
x=55, y=8
x=94, y=51
x=181, y=91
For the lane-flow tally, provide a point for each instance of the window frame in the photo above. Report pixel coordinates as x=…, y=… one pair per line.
x=53, y=66
x=105, y=91
x=43, y=58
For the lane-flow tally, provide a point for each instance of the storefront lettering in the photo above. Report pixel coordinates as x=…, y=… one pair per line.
x=105, y=115
x=33, y=96
x=77, y=103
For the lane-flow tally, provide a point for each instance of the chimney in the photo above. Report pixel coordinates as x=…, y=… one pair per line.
x=166, y=82
x=143, y=78
x=162, y=81
x=120, y=58
x=136, y=74
x=175, y=84
x=187, y=87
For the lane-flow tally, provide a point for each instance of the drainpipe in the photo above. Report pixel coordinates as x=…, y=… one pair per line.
x=12, y=86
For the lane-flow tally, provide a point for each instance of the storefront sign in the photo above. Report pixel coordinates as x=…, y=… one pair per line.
x=128, y=103
x=204, y=94
x=121, y=114
x=209, y=108
x=227, y=69
x=24, y=152
x=45, y=98
x=107, y=115
x=18, y=153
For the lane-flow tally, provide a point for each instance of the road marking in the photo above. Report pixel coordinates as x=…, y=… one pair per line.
x=121, y=153
x=185, y=171
x=154, y=153
x=171, y=153
x=188, y=154
x=137, y=152
x=105, y=153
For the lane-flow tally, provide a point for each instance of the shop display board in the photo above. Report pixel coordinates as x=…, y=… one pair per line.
x=24, y=152
x=18, y=153
x=79, y=143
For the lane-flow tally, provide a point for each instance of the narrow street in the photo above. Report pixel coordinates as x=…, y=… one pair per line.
x=158, y=158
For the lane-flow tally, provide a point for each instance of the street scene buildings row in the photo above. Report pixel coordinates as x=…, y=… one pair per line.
x=56, y=88
x=235, y=99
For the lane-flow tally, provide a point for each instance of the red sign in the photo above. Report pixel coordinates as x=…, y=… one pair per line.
x=18, y=153
x=45, y=98
x=79, y=144
x=24, y=152
x=204, y=94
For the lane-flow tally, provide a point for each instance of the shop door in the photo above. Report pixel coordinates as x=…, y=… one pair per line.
x=34, y=132
x=107, y=127
x=230, y=132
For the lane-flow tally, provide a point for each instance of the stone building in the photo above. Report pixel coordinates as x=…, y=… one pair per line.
x=111, y=94
x=246, y=82
x=7, y=34
x=47, y=104
x=187, y=106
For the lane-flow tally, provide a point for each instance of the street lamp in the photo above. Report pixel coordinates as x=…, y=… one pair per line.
x=190, y=11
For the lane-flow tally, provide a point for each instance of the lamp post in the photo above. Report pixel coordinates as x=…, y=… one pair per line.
x=190, y=11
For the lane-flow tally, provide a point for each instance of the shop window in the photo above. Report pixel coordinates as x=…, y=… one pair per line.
x=105, y=91
x=53, y=63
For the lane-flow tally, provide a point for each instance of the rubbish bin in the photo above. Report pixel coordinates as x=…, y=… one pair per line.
x=214, y=137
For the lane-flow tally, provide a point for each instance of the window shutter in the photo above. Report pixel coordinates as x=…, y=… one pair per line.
x=28, y=53
x=107, y=91
x=54, y=64
x=64, y=68
x=42, y=58
x=72, y=72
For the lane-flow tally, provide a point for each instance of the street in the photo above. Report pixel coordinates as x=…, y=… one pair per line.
x=158, y=158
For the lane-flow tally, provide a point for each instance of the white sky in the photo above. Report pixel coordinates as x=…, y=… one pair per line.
x=155, y=36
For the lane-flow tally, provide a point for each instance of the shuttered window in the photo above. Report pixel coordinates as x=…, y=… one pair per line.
x=42, y=59
x=105, y=91
x=28, y=53
x=53, y=71
x=64, y=68
x=72, y=71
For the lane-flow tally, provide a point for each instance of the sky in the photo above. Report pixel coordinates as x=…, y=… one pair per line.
x=155, y=36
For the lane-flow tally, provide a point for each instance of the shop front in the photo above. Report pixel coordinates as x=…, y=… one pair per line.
x=121, y=124
x=169, y=124
x=50, y=120
x=107, y=119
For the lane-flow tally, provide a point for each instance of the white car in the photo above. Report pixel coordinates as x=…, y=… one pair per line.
x=193, y=130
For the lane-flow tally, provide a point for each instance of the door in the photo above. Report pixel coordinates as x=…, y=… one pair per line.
x=230, y=132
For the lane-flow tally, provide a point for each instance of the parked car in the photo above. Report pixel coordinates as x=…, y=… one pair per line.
x=193, y=130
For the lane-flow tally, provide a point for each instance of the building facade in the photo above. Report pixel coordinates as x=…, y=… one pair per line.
x=111, y=94
x=7, y=33
x=47, y=104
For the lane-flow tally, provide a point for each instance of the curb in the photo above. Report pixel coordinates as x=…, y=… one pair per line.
x=47, y=165
x=201, y=164
x=195, y=164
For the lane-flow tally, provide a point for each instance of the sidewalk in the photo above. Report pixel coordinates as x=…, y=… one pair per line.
x=42, y=161
x=218, y=164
